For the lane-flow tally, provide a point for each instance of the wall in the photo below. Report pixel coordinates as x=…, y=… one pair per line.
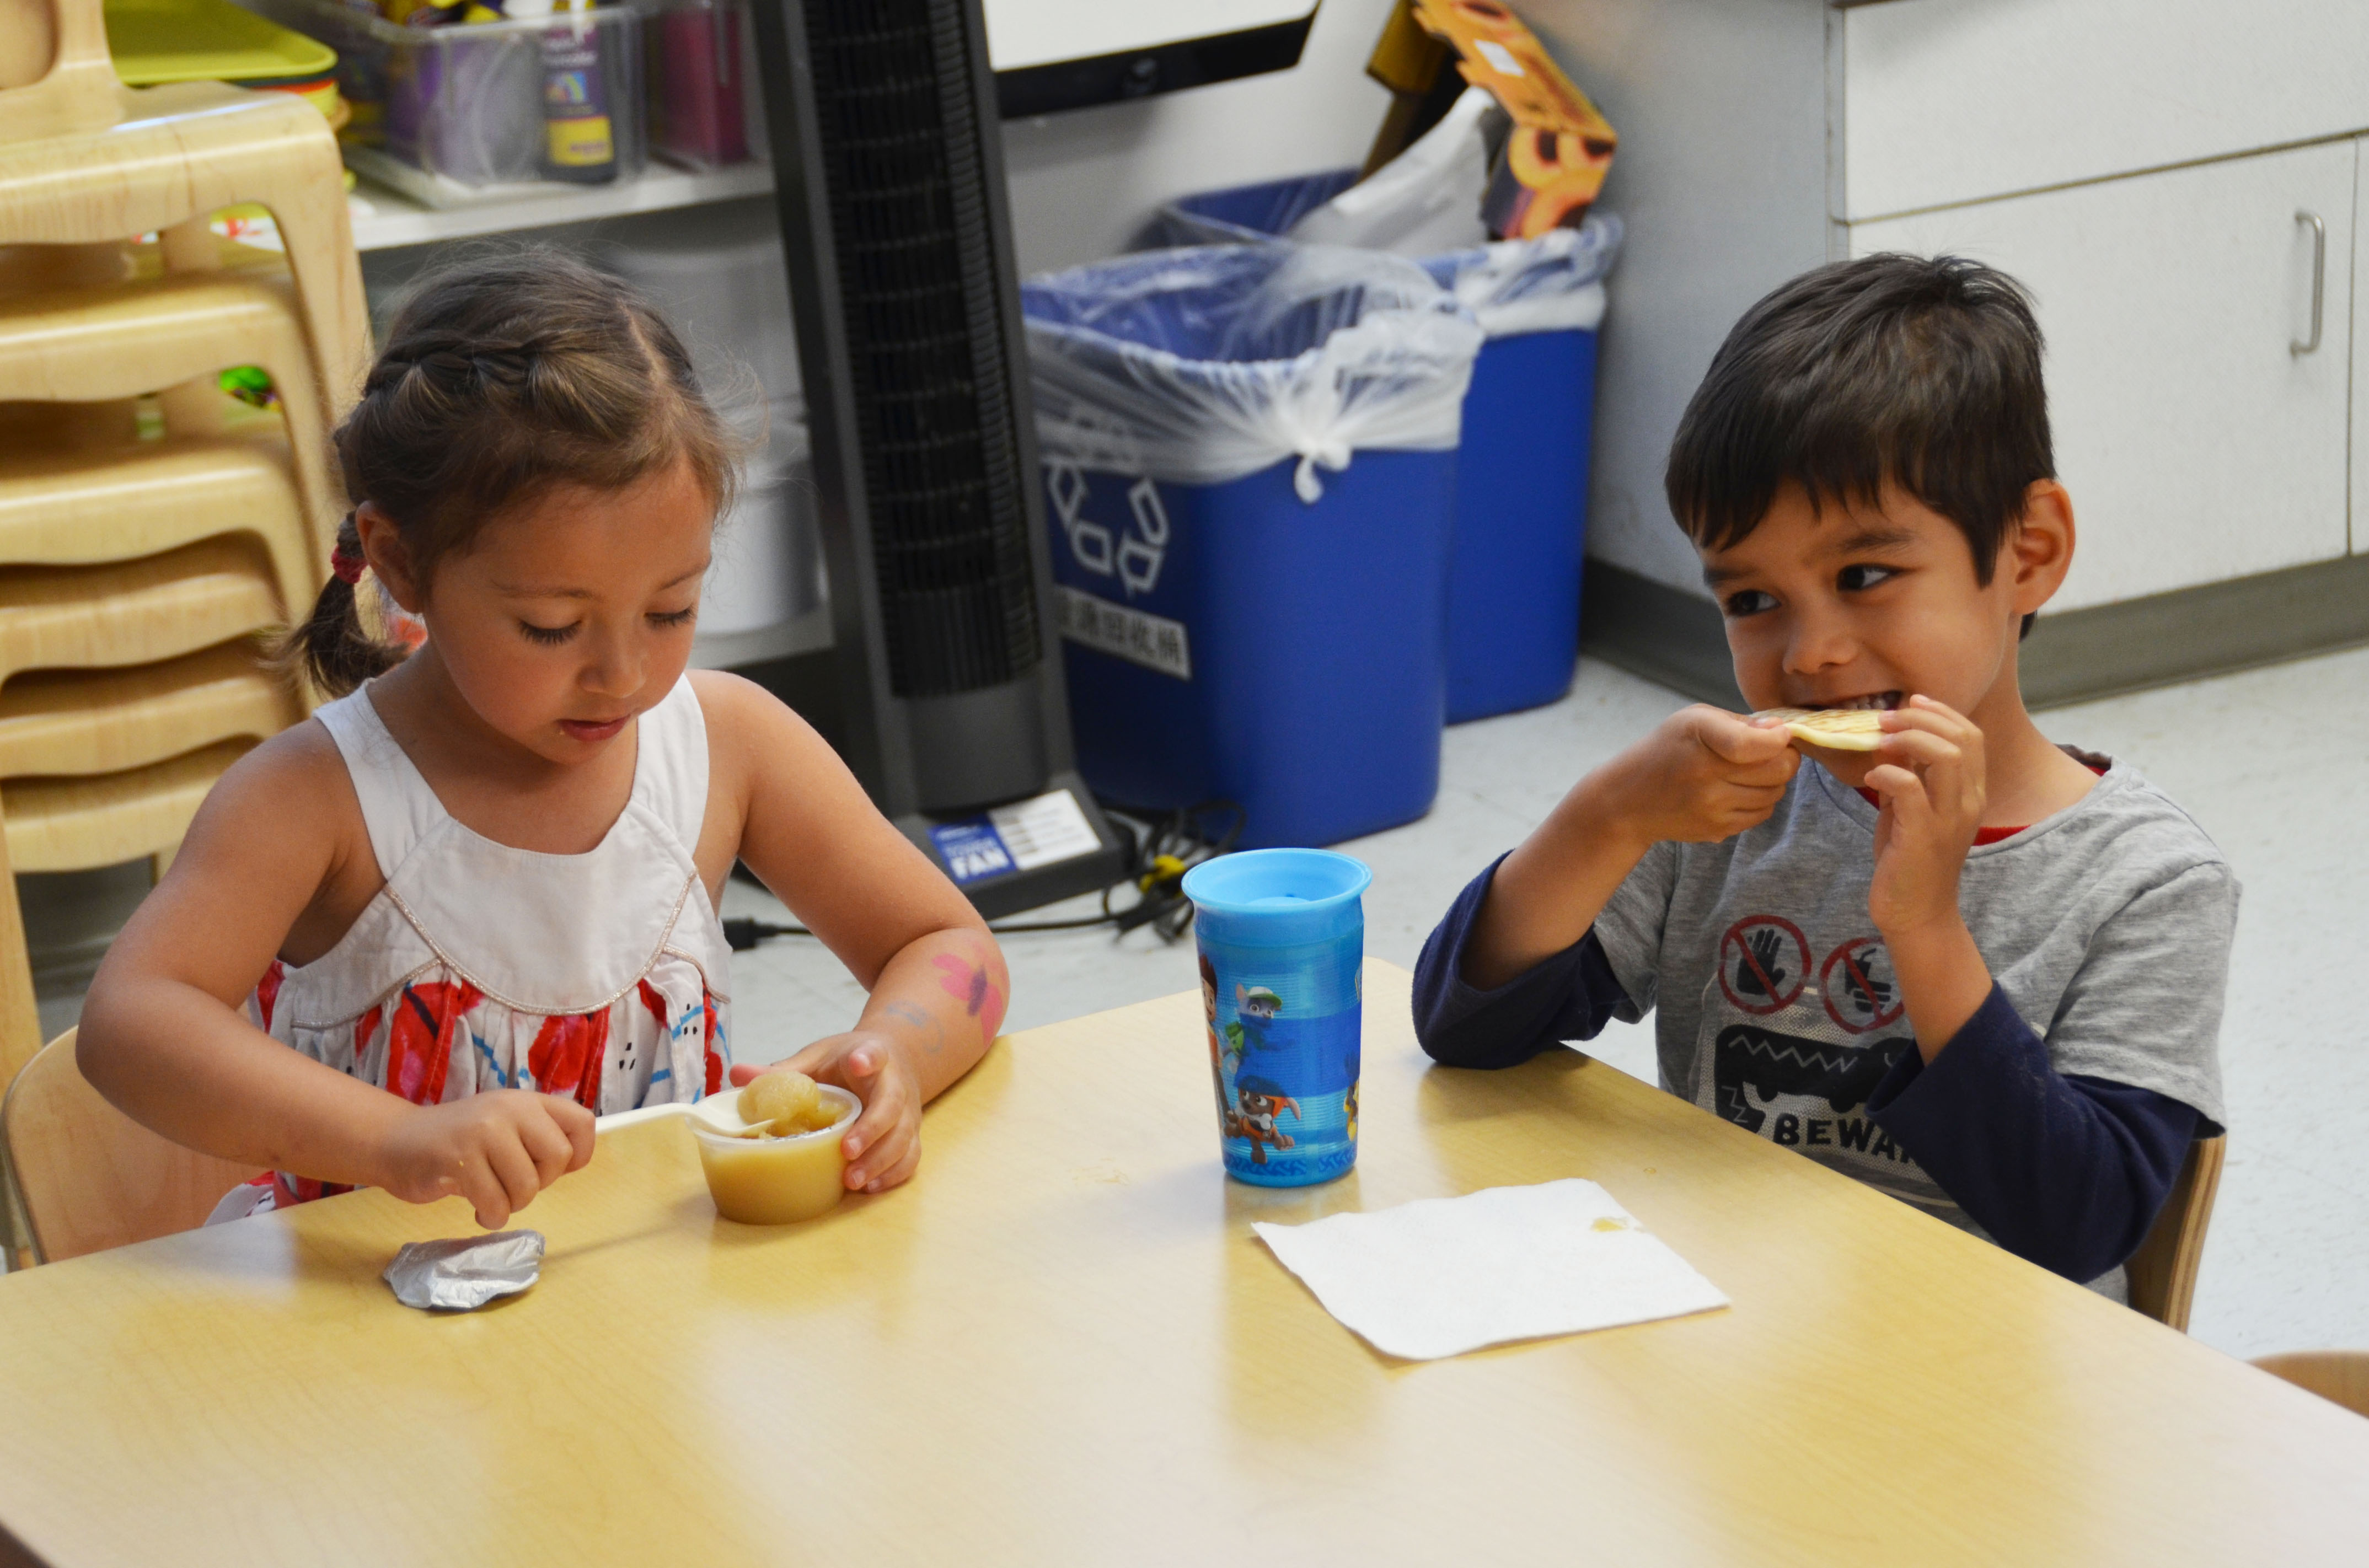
x=1721, y=177
x=1083, y=182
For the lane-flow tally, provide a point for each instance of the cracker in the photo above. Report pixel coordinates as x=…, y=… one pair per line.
x=1837, y=729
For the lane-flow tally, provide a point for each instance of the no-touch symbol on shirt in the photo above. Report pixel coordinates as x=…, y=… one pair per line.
x=1859, y=986
x=1764, y=962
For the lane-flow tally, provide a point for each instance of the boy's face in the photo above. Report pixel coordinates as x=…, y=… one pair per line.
x=1852, y=605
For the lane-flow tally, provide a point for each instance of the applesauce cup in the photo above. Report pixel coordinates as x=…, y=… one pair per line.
x=777, y=1181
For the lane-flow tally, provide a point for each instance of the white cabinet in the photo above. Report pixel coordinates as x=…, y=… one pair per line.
x=2196, y=444
x=2357, y=350
x=1960, y=100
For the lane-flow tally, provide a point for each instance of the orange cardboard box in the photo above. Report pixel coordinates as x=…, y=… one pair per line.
x=1555, y=160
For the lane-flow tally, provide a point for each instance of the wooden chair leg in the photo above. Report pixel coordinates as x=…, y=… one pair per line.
x=197, y=407
x=20, y=1041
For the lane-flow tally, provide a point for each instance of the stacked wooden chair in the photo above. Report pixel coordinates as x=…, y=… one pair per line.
x=151, y=526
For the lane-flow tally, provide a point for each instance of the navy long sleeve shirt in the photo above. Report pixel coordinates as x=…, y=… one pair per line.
x=2065, y=1171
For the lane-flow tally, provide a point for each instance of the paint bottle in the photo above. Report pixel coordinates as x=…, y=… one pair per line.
x=1282, y=934
x=580, y=144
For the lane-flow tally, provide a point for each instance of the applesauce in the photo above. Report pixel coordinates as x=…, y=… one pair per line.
x=774, y=1181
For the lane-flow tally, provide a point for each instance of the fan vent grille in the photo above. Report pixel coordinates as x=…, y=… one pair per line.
x=927, y=354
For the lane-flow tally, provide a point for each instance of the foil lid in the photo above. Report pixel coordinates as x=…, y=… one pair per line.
x=464, y=1273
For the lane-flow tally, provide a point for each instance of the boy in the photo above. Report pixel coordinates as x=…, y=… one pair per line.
x=1972, y=969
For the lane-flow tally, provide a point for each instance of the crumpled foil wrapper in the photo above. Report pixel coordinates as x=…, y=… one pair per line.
x=464, y=1273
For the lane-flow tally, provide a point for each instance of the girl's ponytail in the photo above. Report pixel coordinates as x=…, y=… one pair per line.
x=333, y=650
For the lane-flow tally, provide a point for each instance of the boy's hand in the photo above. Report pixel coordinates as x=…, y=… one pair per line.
x=1704, y=775
x=1932, y=779
x=885, y=1144
x=496, y=1148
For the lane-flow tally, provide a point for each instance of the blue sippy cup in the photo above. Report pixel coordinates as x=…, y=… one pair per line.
x=1283, y=937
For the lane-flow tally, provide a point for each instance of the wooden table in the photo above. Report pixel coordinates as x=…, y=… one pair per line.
x=1063, y=1344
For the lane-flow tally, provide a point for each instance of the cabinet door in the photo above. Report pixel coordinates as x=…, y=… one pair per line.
x=1960, y=100
x=2196, y=443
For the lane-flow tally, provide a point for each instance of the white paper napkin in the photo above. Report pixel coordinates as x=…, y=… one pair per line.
x=1449, y=1275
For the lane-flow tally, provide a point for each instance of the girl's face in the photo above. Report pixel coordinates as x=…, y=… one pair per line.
x=572, y=614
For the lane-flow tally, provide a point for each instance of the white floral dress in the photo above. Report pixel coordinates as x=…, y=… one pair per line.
x=603, y=976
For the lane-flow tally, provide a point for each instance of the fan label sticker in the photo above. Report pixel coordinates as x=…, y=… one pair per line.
x=972, y=850
x=1020, y=837
x=1040, y=831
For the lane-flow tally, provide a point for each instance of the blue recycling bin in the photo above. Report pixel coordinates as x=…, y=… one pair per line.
x=1250, y=646
x=1276, y=638
x=1521, y=501
x=1521, y=524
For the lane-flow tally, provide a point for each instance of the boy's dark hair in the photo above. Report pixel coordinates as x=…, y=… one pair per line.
x=1922, y=372
x=501, y=377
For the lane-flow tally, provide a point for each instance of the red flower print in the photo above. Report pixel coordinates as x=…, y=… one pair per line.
x=267, y=992
x=658, y=1006
x=567, y=1055
x=420, y=1045
x=715, y=1047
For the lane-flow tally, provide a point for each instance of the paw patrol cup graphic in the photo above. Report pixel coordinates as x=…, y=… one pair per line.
x=1283, y=939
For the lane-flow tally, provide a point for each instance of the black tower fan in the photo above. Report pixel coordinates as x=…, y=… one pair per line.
x=889, y=178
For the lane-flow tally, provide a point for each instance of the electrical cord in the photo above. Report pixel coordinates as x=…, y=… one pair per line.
x=1162, y=847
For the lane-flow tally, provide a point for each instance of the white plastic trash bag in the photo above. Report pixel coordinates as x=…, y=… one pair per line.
x=1550, y=283
x=1425, y=200
x=1202, y=366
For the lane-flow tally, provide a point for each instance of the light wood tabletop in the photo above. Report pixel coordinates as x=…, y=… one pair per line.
x=1062, y=1344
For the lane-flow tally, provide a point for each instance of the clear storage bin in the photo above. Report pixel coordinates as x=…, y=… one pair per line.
x=476, y=112
x=704, y=109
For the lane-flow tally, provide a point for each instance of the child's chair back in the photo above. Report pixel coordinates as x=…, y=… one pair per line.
x=2162, y=1272
x=90, y=1176
x=2339, y=1375
x=56, y=76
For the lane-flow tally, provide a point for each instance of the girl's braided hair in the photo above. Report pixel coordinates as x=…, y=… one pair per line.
x=502, y=377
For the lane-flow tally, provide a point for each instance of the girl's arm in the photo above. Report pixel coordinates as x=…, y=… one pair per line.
x=937, y=979
x=164, y=1034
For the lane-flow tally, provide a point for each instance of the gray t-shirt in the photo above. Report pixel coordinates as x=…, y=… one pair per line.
x=2108, y=926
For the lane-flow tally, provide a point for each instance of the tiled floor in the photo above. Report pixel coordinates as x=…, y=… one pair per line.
x=2269, y=761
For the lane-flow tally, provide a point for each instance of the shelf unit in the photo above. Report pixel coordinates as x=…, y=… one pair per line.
x=384, y=218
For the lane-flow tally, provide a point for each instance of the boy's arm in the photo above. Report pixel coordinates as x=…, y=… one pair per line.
x=1702, y=776
x=2064, y=1170
x=1515, y=965
x=1933, y=783
x=1569, y=996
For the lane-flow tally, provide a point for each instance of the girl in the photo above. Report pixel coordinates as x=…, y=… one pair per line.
x=419, y=942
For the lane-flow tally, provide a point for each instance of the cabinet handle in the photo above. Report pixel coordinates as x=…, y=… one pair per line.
x=2319, y=277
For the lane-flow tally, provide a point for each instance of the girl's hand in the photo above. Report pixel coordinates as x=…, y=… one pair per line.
x=1931, y=780
x=885, y=1144
x=496, y=1148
